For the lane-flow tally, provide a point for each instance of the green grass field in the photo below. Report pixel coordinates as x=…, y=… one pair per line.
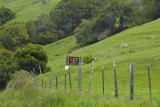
x=143, y=49
x=28, y=9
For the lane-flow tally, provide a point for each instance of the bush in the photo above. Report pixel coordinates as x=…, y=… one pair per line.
x=32, y=56
x=5, y=15
x=88, y=59
x=20, y=80
x=7, y=67
x=14, y=35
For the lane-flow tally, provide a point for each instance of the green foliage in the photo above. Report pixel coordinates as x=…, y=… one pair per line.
x=84, y=33
x=156, y=11
x=20, y=80
x=32, y=56
x=68, y=15
x=108, y=22
x=27, y=10
x=41, y=31
x=7, y=67
x=5, y=15
x=98, y=18
x=87, y=59
x=14, y=35
x=113, y=18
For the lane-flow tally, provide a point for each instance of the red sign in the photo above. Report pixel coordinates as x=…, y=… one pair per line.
x=73, y=60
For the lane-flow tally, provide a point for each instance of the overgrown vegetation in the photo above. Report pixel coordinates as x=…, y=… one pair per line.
x=7, y=67
x=21, y=90
x=27, y=58
x=5, y=15
x=88, y=59
x=42, y=30
x=14, y=35
x=32, y=57
x=90, y=20
x=115, y=16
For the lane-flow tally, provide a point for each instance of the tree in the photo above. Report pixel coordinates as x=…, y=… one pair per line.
x=5, y=15
x=14, y=35
x=32, y=56
x=156, y=11
x=108, y=22
x=113, y=18
x=7, y=67
x=42, y=30
x=84, y=33
x=69, y=13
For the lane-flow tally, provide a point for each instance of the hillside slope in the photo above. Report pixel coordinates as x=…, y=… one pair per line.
x=29, y=9
x=143, y=48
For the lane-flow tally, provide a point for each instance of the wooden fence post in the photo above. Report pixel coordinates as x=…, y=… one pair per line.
x=40, y=70
x=50, y=83
x=131, y=81
x=103, y=79
x=35, y=82
x=42, y=84
x=149, y=81
x=34, y=71
x=65, y=80
x=115, y=79
x=70, y=81
x=31, y=73
x=89, y=85
x=57, y=82
x=80, y=75
x=45, y=84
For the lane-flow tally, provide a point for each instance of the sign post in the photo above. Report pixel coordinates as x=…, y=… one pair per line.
x=67, y=63
x=77, y=61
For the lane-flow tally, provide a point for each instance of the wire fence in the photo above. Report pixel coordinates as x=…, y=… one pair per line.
x=97, y=83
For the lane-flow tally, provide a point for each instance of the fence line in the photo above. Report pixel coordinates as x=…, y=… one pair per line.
x=95, y=88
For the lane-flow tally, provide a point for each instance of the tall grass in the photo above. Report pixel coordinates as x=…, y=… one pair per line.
x=29, y=95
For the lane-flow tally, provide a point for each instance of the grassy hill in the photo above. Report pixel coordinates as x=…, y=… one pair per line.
x=28, y=9
x=143, y=48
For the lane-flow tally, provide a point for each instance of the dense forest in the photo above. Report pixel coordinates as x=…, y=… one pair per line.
x=89, y=20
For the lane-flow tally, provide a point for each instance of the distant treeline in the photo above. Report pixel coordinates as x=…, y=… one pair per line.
x=89, y=20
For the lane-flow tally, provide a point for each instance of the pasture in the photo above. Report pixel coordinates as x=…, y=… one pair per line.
x=29, y=9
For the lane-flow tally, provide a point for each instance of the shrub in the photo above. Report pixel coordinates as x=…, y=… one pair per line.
x=5, y=15
x=14, y=35
x=32, y=56
x=87, y=59
x=7, y=67
x=20, y=80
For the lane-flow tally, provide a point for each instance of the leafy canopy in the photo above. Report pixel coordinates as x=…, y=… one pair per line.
x=7, y=67
x=32, y=56
x=5, y=15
